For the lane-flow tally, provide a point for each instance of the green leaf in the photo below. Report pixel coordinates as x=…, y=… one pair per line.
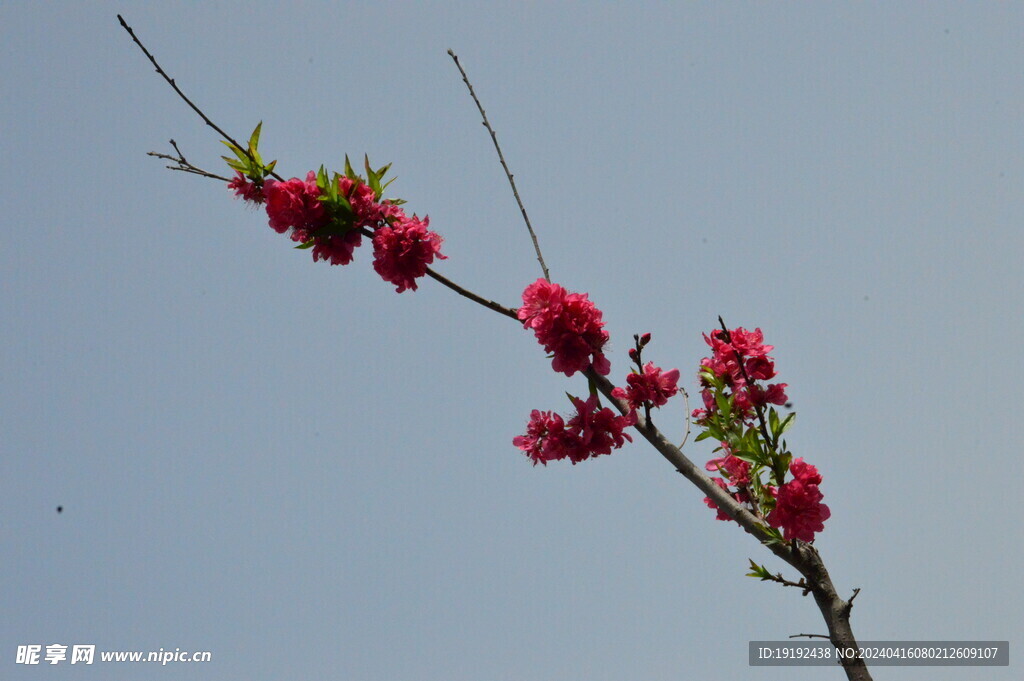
x=758, y=571
x=751, y=442
x=745, y=456
x=707, y=376
x=787, y=423
x=755, y=479
x=703, y=436
x=372, y=178
x=332, y=188
x=343, y=203
x=784, y=460
x=254, y=138
x=236, y=165
x=774, y=536
x=349, y=173
x=724, y=404
x=236, y=151
x=305, y=245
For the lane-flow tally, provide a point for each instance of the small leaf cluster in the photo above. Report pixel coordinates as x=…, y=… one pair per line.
x=758, y=441
x=343, y=215
x=248, y=161
x=759, y=571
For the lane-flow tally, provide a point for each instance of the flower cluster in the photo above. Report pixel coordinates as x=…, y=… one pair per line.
x=592, y=431
x=740, y=359
x=331, y=214
x=736, y=473
x=402, y=250
x=295, y=205
x=330, y=217
x=798, y=508
x=245, y=188
x=651, y=385
x=755, y=460
x=568, y=325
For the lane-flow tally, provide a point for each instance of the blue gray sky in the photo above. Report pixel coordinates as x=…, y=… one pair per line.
x=293, y=467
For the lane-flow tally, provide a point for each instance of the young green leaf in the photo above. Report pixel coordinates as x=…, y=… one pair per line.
x=758, y=571
x=236, y=165
x=254, y=138
x=236, y=151
x=745, y=456
x=724, y=404
x=372, y=178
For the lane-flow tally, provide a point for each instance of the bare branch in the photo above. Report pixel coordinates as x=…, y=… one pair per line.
x=824, y=636
x=777, y=577
x=849, y=604
x=501, y=157
x=509, y=312
x=182, y=164
x=170, y=81
x=686, y=406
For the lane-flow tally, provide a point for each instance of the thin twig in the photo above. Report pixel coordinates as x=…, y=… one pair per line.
x=848, y=606
x=824, y=636
x=183, y=164
x=466, y=293
x=777, y=577
x=501, y=157
x=170, y=81
x=509, y=312
x=686, y=406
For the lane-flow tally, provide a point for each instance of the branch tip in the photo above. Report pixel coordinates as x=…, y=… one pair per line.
x=184, y=98
x=504, y=165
